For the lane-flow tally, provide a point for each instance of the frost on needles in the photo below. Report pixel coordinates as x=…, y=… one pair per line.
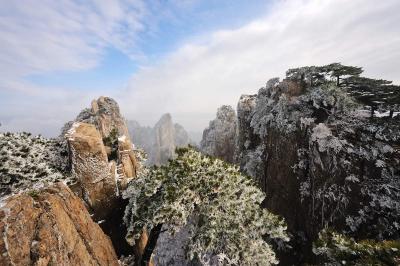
x=227, y=222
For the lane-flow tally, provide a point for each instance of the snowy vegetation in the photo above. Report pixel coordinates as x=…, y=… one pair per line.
x=227, y=222
x=338, y=142
x=337, y=249
x=28, y=161
x=345, y=164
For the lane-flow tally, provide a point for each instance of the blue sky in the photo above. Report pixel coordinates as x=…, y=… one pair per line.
x=179, y=23
x=186, y=57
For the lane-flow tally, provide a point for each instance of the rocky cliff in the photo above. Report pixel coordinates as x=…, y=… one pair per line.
x=44, y=222
x=51, y=226
x=320, y=162
x=160, y=141
x=101, y=154
x=219, y=139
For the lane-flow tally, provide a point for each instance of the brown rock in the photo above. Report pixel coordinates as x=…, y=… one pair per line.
x=108, y=116
x=51, y=226
x=127, y=157
x=91, y=168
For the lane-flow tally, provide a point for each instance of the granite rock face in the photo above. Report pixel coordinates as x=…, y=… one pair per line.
x=44, y=222
x=107, y=117
x=219, y=139
x=101, y=154
x=315, y=157
x=91, y=168
x=51, y=226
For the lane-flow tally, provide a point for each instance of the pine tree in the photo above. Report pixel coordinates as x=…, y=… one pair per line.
x=376, y=93
x=312, y=75
x=338, y=70
x=337, y=249
x=223, y=206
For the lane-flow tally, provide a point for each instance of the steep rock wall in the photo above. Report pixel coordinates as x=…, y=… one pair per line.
x=51, y=226
x=219, y=139
x=320, y=163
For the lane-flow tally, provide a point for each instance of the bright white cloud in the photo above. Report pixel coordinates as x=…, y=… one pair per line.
x=214, y=70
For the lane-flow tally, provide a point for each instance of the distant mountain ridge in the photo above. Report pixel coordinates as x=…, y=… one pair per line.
x=159, y=141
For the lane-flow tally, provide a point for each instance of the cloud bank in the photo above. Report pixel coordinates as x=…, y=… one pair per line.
x=48, y=36
x=191, y=81
x=208, y=71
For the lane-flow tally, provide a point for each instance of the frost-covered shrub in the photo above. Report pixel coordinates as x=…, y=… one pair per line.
x=337, y=249
x=227, y=221
x=330, y=99
x=26, y=160
x=277, y=109
x=357, y=175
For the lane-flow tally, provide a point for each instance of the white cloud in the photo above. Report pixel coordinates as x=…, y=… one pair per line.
x=214, y=70
x=191, y=82
x=40, y=36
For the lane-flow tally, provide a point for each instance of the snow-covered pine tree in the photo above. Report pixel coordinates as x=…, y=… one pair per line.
x=226, y=220
x=334, y=248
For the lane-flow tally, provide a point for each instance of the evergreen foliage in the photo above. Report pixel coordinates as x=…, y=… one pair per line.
x=338, y=70
x=377, y=94
x=27, y=161
x=112, y=141
x=337, y=249
x=226, y=220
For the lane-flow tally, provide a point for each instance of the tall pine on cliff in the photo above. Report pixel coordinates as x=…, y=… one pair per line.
x=223, y=206
x=377, y=94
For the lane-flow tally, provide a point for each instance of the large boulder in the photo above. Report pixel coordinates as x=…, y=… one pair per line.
x=91, y=168
x=101, y=154
x=51, y=227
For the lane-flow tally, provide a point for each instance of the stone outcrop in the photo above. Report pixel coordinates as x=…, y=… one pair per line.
x=160, y=141
x=101, y=154
x=46, y=223
x=219, y=139
x=108, y=117
x=51, y=226
x=103, y=161
x=91, y=168
x=320, y=164
x=127, y=158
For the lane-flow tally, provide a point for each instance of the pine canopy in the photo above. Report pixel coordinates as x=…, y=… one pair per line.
x=223, y=207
